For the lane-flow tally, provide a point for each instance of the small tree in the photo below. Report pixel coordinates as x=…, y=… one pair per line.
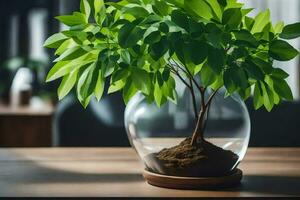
x=141, y=45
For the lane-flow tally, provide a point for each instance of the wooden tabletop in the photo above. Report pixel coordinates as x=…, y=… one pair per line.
x=116, y=172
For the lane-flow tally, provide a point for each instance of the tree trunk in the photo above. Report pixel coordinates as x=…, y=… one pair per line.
x=199, y=130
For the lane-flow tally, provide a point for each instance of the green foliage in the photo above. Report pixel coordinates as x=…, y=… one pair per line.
x=145, y=45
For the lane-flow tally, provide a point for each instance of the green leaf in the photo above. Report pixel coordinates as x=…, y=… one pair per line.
x=65, y=67
x=180, y=19
x=163, y=27
x=260, y=21
x=120, y=74
x=215, y=6
x=125, y=55
x=67, y=44
x=78, y=36
x=177, y=3
x=72, y=20
x=71, y=54
x=245, y=93
x=197, y=51
x=141, y=80
x=153, y=37
x=257, y=96
x=91, y=80
x=214, y=35
x=232, y=17
x=129, y=35
x=99, y=88
x=129, y=91
x=55, y=40
x=86, y=84
x=268, y=97
x=235, y=78
x=169, y=88
x=67, y=84
x=282, y=51
x=158, y=49
x=245, y=36
x=199, y=8
x=216, y=59
x=279, y=73
x=177, y=45
x=278, y=27
x=248, y=22
x=233, y=4
x=85, y=8
x=270, y=82
x=241, y=78
x=229, y=82
x=99, y=11
x=246, y=11
x=159, y=78
x=196, y=29
x=282, y=88
x=254, y=71
x=151, y=19
x=263, y=65
x=162, y=8
x=136, y=11
x=117, y=6
x=207, y=75
x=166, y=74
x=116, y=86
x=291, y=31
x=218, y=82
x=158, y=95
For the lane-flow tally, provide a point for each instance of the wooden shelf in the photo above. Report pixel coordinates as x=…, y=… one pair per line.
x=26, y=126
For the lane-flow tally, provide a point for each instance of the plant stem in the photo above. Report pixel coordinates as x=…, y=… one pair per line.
x=200, y=126
x=198, y=132
x=207, y=114
x=190, y=86
x=193, y=99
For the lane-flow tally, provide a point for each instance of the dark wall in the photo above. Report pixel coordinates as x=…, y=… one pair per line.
x=280, y=127
x=79, y=127
x=21, y=9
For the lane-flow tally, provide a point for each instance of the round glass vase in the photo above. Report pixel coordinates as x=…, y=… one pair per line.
x=153, y=131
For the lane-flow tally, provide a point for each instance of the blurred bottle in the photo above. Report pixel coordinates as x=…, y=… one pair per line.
x=21, y=89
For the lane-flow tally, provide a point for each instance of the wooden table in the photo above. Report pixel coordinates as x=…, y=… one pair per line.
x=116, y=172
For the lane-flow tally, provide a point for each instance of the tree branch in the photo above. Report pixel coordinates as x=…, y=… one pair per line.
x=179, y=76
x=187, y=71
x=211, y=97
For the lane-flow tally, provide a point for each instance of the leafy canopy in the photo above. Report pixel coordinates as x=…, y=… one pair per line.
x=133, y=43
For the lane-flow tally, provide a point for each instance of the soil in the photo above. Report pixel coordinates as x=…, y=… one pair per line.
x=201, y=160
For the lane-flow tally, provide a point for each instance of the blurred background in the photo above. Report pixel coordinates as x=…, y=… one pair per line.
x=30, y=115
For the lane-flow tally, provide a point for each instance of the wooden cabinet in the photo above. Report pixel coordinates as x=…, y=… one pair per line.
x=26, y=126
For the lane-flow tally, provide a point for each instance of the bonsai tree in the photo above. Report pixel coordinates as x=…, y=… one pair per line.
x=141, y=45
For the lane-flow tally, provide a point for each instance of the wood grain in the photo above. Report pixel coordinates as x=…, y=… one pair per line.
x=26, y=126
x=6, y=110
x=116, y=172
